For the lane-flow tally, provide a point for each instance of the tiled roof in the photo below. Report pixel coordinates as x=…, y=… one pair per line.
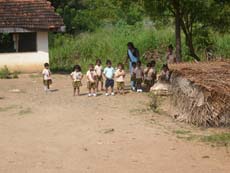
x=29, y=14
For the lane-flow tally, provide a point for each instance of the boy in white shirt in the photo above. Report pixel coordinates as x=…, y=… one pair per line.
x=120, y=78
x=170, y=56
x=109, y=75
x=165, y=74
x=150, y=75
x=47, y=80
x=139, y=76
x=76, y=76
x=99, y=71
x=92, y=79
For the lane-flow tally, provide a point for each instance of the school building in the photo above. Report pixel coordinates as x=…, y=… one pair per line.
x=24, y=28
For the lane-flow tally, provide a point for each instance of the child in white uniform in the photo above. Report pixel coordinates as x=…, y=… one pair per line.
x=99, y=71
x=47, y=80
x=76, y=76
x=120, y=78
x=92, y=79
x=139, y=76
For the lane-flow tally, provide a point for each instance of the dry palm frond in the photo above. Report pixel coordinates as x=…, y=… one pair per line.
x=204, y=97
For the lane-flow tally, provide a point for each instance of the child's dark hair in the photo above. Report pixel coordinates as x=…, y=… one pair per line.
x=120, y=64
x=130, y=44
x=91, y=65
x=98, y=61
x=46, y=65
x=108, y=62
x=77, y=67
x=153, y=63
x=149, y=64
x=165, y=66
x=134, y=64
x=170, y=46
x=139, y=62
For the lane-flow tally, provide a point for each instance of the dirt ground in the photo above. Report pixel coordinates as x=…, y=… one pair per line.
x=56, y=132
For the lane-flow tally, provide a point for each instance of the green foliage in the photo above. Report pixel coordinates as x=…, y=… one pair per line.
x=6, y=74
x=196, y=18
x=202, y=38
x=107, y=43
x=222, y=138
x=110, y=43
x=88, y=15
x=221, y=45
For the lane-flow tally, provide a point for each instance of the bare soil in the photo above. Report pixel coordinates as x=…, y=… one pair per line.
x=56, y=132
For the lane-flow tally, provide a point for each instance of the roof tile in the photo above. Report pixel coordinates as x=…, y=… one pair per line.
x=29, y=14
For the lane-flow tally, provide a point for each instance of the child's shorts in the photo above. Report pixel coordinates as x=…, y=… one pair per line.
x=133, y=78
x=120, y=85
x=138, y=81
x=77, y=84
x=109, y=83
x=91, y=85
x=149, y=82
x=100, y=79
x=47, y=82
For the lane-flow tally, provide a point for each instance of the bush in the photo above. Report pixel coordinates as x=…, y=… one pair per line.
x=110, y=43
x=106, y=43
x=6, y=74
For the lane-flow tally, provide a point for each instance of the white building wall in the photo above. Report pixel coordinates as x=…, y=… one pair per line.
x=29, y=61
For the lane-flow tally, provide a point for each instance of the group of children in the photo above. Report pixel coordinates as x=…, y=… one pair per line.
x=96, y=75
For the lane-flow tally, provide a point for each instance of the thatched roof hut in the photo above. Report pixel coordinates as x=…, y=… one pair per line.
x=201, y=91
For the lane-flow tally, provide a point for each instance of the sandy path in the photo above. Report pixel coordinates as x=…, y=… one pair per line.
x=55, y=132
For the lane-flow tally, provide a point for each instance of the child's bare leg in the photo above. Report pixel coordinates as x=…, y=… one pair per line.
x=118, y=90
x=112, y=91
x=45, y=88
x=78, y=91
x=74, y=91
x=97, y=86
x=138, y=86
x=102, y=84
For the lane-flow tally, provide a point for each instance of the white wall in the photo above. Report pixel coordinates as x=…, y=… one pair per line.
x=30, y=61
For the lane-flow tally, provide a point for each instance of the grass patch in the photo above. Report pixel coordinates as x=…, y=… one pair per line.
x=110, y=43
x=6, y=74
x=35, y=76
x=222, y=138
x=5, y=109
x=155, y=102
x=25, y=112
x=140, y=111
x=182, y=132
x=105, y=43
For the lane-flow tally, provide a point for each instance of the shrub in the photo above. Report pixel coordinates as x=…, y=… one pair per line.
x=4, y=73
x=106, y=43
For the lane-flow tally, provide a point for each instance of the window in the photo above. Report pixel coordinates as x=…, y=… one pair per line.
x=6, y=43
x=27, y=42
x=18, y=42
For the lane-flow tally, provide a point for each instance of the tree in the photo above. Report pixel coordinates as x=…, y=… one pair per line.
x=191, y=15
x=87, y=15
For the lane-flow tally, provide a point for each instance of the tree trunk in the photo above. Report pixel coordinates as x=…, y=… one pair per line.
x=189, y=43
x=178, y=35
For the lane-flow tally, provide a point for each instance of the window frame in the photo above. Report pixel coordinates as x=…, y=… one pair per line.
x=16, y=37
